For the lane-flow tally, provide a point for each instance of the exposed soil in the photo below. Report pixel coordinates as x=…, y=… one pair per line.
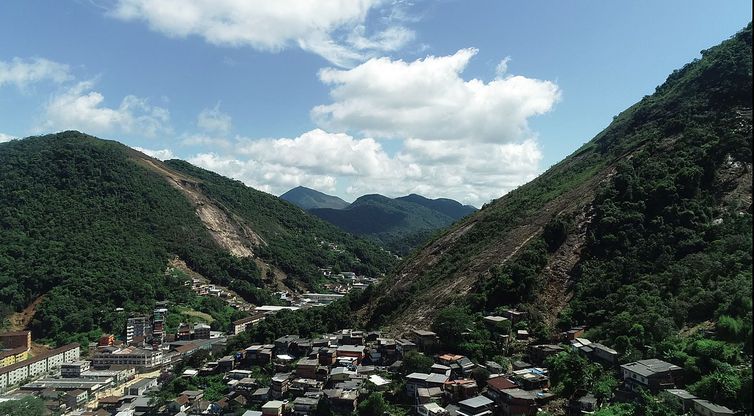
x=20, y=321
x=228, y=231
x=556, y=277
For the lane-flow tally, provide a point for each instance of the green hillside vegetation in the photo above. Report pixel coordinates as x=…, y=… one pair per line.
x=449, y=207
x=668, y=242
x=88, y=227
x=307, y=198
x=399, y=224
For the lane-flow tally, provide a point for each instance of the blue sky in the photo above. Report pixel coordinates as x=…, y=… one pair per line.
x=461, y=99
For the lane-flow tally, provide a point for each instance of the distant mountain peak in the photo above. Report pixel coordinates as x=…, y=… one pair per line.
x=308, y=198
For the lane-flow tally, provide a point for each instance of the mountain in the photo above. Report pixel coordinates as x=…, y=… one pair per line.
x=449, y=207
x=399, y=224
x=88, y=226
x=307, y=198
x=641, y=234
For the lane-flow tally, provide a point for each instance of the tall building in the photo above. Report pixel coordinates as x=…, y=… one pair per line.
x=137, y=326
x=158, y=327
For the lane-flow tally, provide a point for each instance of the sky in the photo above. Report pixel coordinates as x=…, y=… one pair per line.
x=463, y=99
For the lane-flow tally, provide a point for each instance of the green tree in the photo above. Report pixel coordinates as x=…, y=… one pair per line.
x=373, y=405
x=416, y=362
x=28, y=406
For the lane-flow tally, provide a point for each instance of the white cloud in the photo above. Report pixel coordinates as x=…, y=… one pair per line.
x=322, y=27
x=81, y=108
x=214, y=120
x=469, y=172
x=428, y=99
x=162, y=154
x=502, y=67
x=6, y=138
x=24, y=72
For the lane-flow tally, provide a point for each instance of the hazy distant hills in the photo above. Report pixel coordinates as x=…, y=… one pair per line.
x=399, y=224
x=308, y=198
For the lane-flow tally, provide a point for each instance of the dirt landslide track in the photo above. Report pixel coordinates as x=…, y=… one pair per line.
x=20, y=321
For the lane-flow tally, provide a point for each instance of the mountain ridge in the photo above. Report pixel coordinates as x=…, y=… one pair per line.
x=533, y=248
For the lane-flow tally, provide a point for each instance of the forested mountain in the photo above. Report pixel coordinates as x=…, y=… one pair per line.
x=307, y=198
x=88, y=226
x=398, y=224
x=644, y=235
x=449, y=207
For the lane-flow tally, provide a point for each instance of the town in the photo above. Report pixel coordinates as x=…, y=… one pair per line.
x=336, y=373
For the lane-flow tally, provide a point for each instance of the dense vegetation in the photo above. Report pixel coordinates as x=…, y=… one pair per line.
x=665, y=269
x=89, y=229
x=398, y=224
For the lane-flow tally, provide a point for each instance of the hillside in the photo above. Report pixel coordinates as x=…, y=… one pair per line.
x=89, y=225
x=307, y=198
x=642, y=232
x=449, y=207
x=399, y=224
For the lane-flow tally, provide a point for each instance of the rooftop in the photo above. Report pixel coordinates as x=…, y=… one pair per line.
x=476, y=402
x=650, y=367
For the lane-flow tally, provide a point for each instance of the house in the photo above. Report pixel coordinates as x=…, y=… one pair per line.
x=75, y=398
x=341, y=374
x=532, y=378
x=432, y=409
x=475, y=406
x=327, y=356
x=415, y=381
x=515, y=316
x=518, y=402
x=304, y=406
x=424, y=340
x=683, y=397
x=572, y=333
x=73, y=369
x=307, y=368
x=604, y=354
x=497, y=323
x=460, y=389
x=428, y=395
x=355, y=352
x=539, y=353
x=140, y=387
x=283, y=343
x=496, y=387
x=522, y=335
x=273, y=408
x=342, y=401
x=279, y=385
x=403, y=346
x=260, y=395
x=705, y=408
x=201, y=331
x=651, y=374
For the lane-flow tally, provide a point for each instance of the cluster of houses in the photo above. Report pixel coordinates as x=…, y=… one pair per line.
x=295, y=375
x=345, y=282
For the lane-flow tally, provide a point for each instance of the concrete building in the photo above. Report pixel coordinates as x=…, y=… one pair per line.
x=126, y=357
x=73, y=369
x=34, y=367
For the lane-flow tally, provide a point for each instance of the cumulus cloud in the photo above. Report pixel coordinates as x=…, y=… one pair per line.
x=214, y=120
x=81, y=108
x=332, y=29
x=428, y=99
x=469, y=172
x=6, y=138
x=162, y=154
x=22, y=72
